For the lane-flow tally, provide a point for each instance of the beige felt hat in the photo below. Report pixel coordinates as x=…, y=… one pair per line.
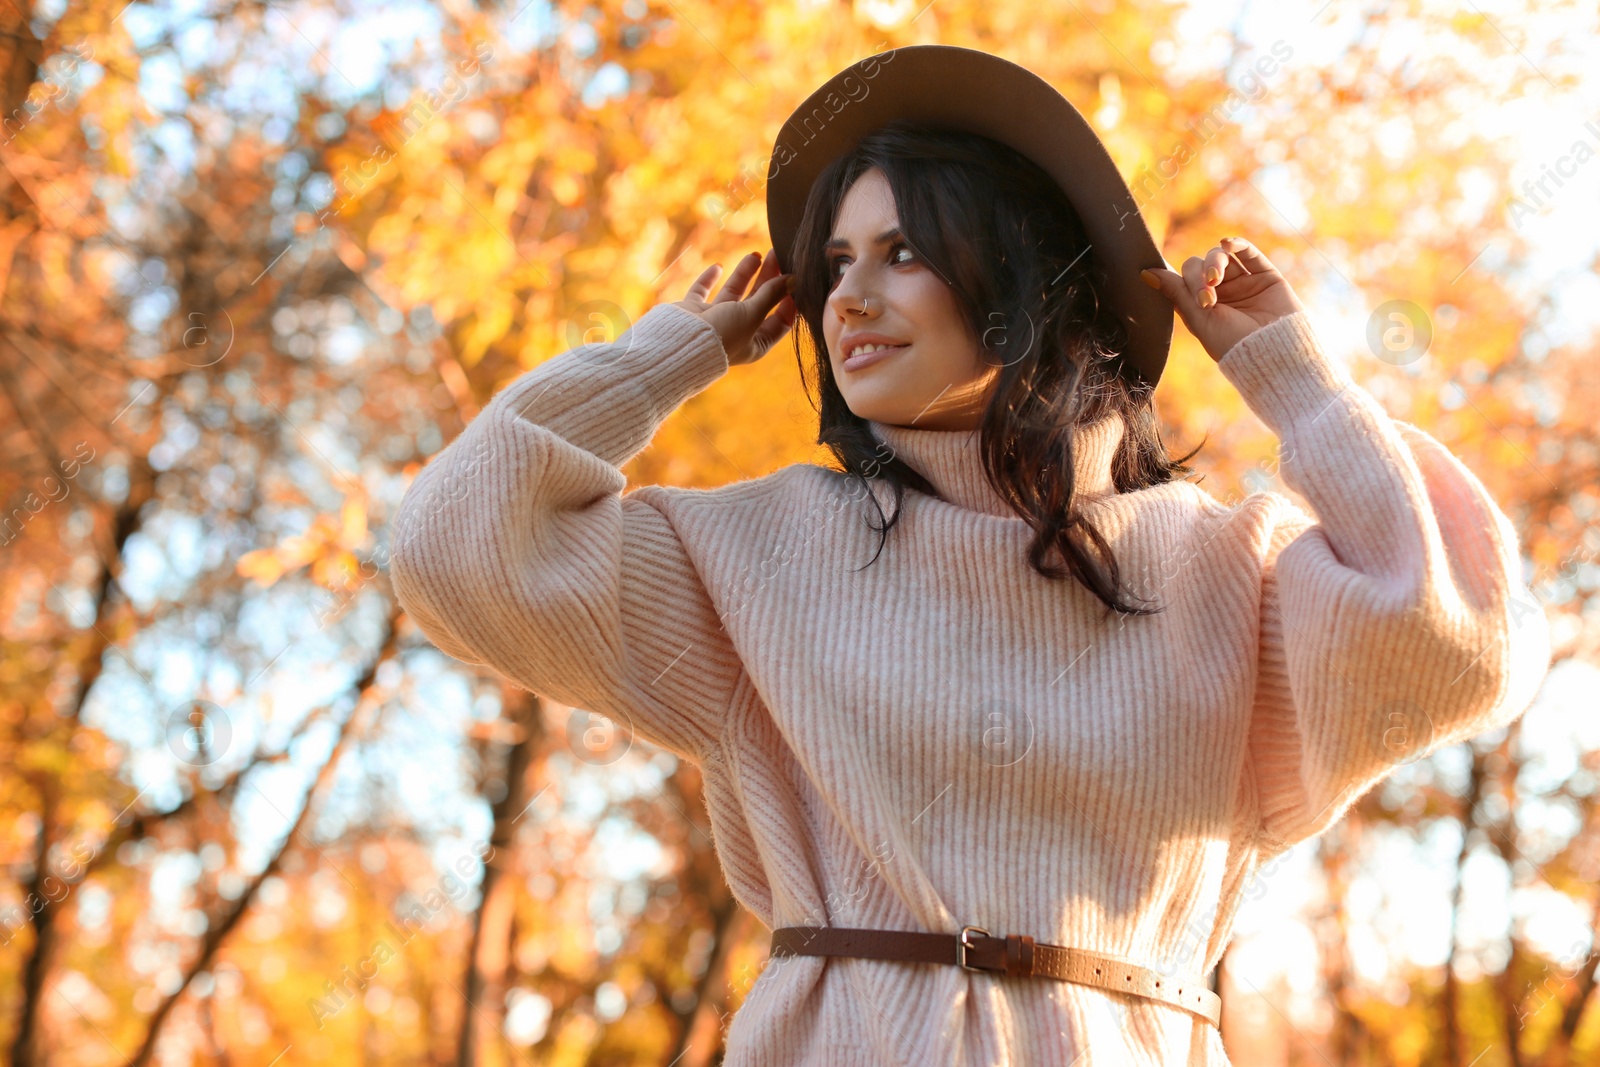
x=973, y=91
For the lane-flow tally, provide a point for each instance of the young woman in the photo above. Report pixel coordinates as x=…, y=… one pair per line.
x=999, y=720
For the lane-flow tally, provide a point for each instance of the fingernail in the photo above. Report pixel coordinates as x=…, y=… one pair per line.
x=1207, y=298
x=1150, y=278
x=1213, y=276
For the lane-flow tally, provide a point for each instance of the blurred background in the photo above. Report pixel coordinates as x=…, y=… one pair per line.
x=260, y=261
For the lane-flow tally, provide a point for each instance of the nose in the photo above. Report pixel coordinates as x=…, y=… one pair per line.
x=850, y=297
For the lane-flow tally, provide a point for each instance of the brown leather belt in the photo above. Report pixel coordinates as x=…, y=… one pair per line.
x=1015, y=955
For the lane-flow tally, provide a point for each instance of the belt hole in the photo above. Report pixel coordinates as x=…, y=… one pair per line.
x=1097, y=970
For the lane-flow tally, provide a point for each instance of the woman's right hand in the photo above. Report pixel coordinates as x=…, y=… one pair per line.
x=748, y=325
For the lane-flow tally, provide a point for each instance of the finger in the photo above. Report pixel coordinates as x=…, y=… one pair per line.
x=1174, y=288
x=739, y=279
x=1204, y=296
x=769, y=268
x=1248, y=255
x=768, y=271
x=701, y=289
x=776, y=325
x=770, y=293
x=1217, y=262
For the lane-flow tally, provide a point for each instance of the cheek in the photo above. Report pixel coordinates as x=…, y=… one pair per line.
x=929, y=308
x=923, y=298
x=949, y=352
x=948, y=360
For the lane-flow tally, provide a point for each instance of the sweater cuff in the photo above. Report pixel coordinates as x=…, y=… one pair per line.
x=669, y=355
x=609, y=397
x=1283, y=372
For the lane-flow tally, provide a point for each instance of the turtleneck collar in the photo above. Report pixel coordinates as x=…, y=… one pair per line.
x=951, y=460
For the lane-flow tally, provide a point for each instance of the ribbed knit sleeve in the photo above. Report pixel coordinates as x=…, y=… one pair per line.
x=1393, y=623
x=517, y=548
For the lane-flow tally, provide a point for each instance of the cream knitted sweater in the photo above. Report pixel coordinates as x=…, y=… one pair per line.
x=945, y=737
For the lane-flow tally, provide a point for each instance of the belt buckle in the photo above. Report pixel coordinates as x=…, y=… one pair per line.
x=963, y=946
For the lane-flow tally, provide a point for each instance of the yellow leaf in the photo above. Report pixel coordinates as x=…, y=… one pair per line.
x=262, y=564
x=354, y=520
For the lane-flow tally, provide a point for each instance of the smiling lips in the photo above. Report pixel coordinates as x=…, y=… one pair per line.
x=875, y=354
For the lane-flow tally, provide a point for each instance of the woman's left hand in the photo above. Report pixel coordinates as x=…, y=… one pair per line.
x=1231, y=293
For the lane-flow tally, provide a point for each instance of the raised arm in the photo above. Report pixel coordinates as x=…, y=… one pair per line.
x=516, y=547
x=1394, y=623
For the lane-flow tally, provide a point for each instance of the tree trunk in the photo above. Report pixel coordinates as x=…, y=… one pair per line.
x=42, y=900
x=703, y=1038
x=1333, y=851
x=484, y=995
x=1452, y=992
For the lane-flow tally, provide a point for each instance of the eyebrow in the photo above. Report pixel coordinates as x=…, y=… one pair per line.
x=882, y=238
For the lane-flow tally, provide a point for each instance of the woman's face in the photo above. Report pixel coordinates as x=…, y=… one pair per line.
x=937, y=379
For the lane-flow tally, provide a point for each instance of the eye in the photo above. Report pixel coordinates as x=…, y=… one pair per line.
x=894, y=250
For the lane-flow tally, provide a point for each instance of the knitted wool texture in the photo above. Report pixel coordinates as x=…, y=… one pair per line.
x=946, y=737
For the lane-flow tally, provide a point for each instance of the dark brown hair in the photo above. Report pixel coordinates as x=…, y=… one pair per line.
x=1007, y=242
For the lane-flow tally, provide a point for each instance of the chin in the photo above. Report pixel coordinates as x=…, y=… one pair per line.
x=873, y=404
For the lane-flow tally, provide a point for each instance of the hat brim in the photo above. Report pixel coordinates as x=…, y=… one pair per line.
x=973, y=91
